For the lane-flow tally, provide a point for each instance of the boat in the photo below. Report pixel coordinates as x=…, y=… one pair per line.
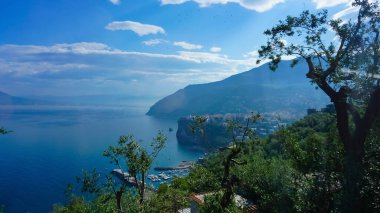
x=154, y=178
x=163, y=176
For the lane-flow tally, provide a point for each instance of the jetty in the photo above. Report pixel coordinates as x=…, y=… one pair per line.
x=124, y=176
x=128, y=179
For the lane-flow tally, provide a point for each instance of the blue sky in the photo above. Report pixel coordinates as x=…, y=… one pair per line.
x=145, y=48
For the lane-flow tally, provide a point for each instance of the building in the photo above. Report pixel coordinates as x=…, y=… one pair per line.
x=311, y=111
x=329, y=108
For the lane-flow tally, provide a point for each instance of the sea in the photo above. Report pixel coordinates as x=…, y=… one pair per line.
x=50, y=145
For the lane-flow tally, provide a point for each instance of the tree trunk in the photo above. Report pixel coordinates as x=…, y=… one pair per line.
x=226, y=184
x=119, y=195
x=353, y=153
x=354, y=149
x=227, y=181
x=353, y=174
x=142, y=192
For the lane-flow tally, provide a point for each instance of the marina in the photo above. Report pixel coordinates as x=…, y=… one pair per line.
x=155, y=179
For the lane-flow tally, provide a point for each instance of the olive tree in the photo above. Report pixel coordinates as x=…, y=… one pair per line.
x=343, y=61
x=129, y=156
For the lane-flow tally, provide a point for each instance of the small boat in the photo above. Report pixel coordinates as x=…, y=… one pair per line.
x=154, y=178
x=163, y=176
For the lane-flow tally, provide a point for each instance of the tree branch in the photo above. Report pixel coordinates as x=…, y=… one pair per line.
x=239, y=162
x=320, y=80
x=371, y=114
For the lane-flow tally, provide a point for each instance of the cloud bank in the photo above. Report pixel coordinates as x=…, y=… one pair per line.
x=330, y=3
x=115, y=2
x=138, y=28
x=86, y=68
x=187, y=46
x=257, y=5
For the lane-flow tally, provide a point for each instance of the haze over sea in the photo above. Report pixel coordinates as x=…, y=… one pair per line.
x=50, y=145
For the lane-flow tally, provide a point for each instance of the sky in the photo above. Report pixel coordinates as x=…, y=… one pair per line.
x=139, y=48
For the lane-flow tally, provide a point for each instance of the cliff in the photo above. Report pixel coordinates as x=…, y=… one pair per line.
x=209, y=136
x=214, y=132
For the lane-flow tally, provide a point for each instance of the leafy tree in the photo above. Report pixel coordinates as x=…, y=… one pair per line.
x=212, y=204
x=241, y=134
x=245, y=134
x=168, y=199
x=76, y=204
x=269, y=182
x=371, y=179
x=129, y=156
x=201, y=179
x=346, y=69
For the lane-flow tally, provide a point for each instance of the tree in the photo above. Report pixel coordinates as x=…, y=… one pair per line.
x=241, y=133
x=129, y=156
x=346, y=69
x=371, y=180
x=245, y=134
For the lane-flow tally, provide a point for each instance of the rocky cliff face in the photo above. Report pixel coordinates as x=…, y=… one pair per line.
x=206, y=137
x=216, y=132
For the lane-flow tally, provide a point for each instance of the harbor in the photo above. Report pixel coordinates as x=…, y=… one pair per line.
x=158, y=176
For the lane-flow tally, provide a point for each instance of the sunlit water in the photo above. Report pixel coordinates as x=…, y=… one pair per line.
x=49, y=146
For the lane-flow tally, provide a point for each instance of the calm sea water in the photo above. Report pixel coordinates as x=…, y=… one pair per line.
x=50, y=145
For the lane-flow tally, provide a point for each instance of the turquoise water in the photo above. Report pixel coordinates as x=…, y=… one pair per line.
x=50, y=145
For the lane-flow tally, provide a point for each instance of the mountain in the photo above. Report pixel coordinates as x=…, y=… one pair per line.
x=6, y=99
x=286, y=91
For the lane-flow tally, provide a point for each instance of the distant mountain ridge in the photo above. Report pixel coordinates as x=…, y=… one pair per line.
x=6, y=99
x=285, y=91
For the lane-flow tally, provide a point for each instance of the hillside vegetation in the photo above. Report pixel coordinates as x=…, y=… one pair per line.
x=296, y=169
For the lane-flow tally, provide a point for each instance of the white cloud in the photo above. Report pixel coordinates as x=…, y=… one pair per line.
x=204, y=57
x=88, y=67
x=187, y=46
x=75, y=48
x=343, y=14
x=22, y=68
x=139, y=28
x=254, y=54
x=163, y=2
x=215, y=49
x=153, y=42
x=330, y=3
x=115, y=2
x=285, y=42
x=257, y=5
x=92, y=48
x=260, y=5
